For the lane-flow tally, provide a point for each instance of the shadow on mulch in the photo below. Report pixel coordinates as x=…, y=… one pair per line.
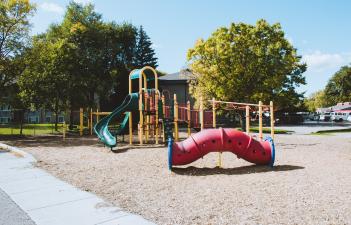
x=70, y=141
x=49, y=141
x=195, y=171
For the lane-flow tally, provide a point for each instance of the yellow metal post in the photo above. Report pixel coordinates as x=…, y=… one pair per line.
x=141, y=116
x=91, y=121
x=130, y=128
x=247, y=116
x=81, y=121
x=176, y=133
x=88, y=125
x=156, y=119
x=188, y=107
x=213, y=113
x=164, y=116
x=260, y=125
x=130, y=115
x=214, y=124
x=271, y=109
x=202, y=113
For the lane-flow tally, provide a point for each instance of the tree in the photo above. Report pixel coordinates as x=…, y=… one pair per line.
x=145, y=54
x=14, y=26
x=44, y=81
x=78, y=61
x=338, y=88
x=13, y=98
x=316, y=100
x=247, y=63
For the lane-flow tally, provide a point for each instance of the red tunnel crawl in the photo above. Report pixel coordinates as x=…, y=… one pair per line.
x=221, y=140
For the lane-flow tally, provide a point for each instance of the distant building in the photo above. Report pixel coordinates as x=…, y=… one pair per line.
x=7, y=115
x=176, y=83
x=342, y=106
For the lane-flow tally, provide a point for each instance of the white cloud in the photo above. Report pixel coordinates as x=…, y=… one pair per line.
x=51, y=7
x=84, y=2
x=318, y=61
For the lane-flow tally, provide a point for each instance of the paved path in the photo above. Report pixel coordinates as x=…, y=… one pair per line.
x=48, y=200
x=11, y=213
x=310, y=128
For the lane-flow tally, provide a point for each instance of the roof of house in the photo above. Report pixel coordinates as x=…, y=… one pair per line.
x=183, y=75
x=343, y=111
x=339, y=106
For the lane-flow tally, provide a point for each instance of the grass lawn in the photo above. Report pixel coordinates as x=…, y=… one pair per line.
x=30, y=129
x=326, y=132
x=267, y=130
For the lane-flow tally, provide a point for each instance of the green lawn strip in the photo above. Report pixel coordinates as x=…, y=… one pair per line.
x=325, y=132
x=30, y=129
x=267, y=130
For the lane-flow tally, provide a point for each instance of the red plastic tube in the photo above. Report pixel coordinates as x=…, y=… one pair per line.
x=221, y=140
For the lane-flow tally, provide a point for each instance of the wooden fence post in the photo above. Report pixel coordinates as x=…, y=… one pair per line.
x=176, y=133
x=247, y=115
x=271, y=109
x=188, y=107
x=202, y=113
x=260, y=125
x=81, y=121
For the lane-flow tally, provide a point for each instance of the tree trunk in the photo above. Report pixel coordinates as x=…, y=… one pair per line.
x=21, y=121
x=56, y=120
x=56, y=114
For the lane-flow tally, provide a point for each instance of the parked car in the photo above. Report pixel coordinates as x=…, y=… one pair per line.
x=288, y=118
x=339, y=116
x=325, y=117
x=313, y=117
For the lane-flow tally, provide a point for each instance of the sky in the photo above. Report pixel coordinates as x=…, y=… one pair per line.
x=319, y=29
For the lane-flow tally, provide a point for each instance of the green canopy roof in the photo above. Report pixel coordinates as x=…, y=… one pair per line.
x=137, y=73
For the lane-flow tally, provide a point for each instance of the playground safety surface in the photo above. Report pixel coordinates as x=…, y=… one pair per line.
x=310, y=183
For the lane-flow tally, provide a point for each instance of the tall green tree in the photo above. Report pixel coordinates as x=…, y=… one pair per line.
x=338, y=88
x=80, y=62
x=145, y=54
x=44, y=81
x=14, y=27
x=315, y=101
x=247, y=63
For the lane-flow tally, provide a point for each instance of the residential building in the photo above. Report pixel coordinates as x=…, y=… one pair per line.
x=177, y=83
x=338, y=107
x=36, y=116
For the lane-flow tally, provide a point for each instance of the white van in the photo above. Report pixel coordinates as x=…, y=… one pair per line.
x=340, y=116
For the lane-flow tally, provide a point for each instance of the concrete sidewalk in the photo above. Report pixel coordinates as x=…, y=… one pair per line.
x=48, y=200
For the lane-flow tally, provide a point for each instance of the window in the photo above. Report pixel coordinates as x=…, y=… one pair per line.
x=33, y=119
x=60, y=119
x=4, y=120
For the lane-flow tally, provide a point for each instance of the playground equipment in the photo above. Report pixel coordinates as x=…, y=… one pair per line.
x=221, y=140
x=146, y=101
x=155, y=114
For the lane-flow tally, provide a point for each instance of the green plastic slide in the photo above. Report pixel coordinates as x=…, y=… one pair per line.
x=130, y=103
